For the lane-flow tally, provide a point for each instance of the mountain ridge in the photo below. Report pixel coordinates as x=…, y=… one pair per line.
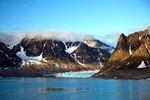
x=44, y=56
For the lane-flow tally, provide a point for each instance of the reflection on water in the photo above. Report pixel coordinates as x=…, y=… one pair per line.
x=73, y=89
x=62, y=89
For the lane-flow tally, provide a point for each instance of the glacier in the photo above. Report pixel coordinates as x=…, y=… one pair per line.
x=23, y=56
x=79, y=74
x=33, y=60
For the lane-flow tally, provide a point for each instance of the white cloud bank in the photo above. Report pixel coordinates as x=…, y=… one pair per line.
x=16, y=37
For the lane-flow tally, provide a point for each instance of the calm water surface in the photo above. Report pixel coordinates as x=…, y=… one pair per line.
x=73, y=89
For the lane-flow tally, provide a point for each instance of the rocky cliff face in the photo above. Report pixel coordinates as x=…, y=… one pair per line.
x=130, y=59
x=69, y=55
x=52, y=56
x=8, y=59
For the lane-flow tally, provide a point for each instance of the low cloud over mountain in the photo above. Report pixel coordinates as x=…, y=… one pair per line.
x=16, y=37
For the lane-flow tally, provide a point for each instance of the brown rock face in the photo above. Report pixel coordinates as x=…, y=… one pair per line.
x=131, y=58
x=121, y=52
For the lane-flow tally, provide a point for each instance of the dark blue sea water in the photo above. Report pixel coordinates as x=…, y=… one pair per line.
x=73, y=89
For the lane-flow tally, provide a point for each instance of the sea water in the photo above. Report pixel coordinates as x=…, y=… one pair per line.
x=73, y=89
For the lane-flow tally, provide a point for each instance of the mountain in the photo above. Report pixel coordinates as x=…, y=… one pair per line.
x=40, y=57
x=98, y=44
x=8, y=59
x=130, y=59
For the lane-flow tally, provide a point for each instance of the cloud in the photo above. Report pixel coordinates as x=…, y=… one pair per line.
x=15, y=37
x=148, y=28
x=10, y=39
x=57, y=35
x=111, y=39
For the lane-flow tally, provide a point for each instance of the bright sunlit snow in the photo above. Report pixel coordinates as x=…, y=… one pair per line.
x=71, y=49
x=90, y=43
x=130, y=52
x=24, y=57
x=140, y=37
x=75, y=58
x=142, y=65
x=146, y=46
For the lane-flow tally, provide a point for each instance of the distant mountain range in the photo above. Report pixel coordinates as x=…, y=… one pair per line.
x=37, y=57
x=130, y=59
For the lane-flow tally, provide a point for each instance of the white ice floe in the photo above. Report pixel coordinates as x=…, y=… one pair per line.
x=79, y=74
x=71, y=49
x=142, y=65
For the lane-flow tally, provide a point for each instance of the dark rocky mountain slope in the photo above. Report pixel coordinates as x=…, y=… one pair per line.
x=8, y=59
x=37, y=57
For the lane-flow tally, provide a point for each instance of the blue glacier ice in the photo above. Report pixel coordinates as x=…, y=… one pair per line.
x=79, y=74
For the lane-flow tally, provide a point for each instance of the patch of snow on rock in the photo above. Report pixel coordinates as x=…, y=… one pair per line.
x=75, y=58
x=146, y=46
x=90, y=43
x=142, y=65
x=25, y=58
x=140, y=37
x=100, y=62
x=130, y=52
x=71, y=49
x=10, y=46
x=128, y=63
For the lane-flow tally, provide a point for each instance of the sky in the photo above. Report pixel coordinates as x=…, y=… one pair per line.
x=96, y=17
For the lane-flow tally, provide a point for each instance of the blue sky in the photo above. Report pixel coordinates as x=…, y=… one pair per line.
x=97, y=17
